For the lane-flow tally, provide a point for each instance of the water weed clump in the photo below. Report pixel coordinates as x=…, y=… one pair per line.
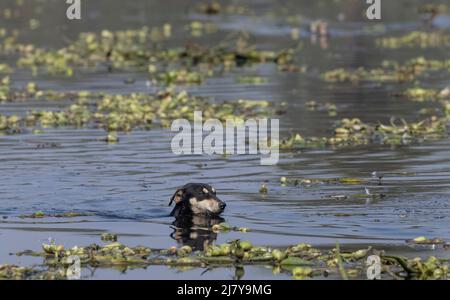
x=198, y=28
x=415, y=39
x=251, y=80
x=225, y=227
x=390, y=71
x=4, y=88
x=31, y=92
x=300, y=260
x=215, y=8
x=109, y=237
x=9, y=42
x=329, y=107
x=419, y=65
x=10, y=124
x=120, y=49
x=296, y=141
x=41, y=215
x=13, y=272
x=139, y=49
x=263, y=189
x=126, y=112
x=362, y=74
x=180, y=77
x=5, y=69
x=447, y=109
x=77, y=115
x=419, y=94
x=353, y=132
x=111, y=138
x=321, y=181
x=421, y=240
x=115, y=112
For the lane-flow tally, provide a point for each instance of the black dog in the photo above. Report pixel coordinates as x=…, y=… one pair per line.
x=196, y=199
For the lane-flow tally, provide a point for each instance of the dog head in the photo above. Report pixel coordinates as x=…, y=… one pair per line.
x=196, y=199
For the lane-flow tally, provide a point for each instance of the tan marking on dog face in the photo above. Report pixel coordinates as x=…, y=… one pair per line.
x=205, y=190
x=177, y=196
x=204, y=206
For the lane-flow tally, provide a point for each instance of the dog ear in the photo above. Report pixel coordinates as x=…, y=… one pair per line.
x=177, y=197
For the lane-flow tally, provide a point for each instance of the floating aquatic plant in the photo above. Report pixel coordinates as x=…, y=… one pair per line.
x=426, y=241
x=127, y=112
x=112, y=138
x=263, y=189
x=317, y=181
x=13, y=272
x=390, y=71
x=255, y=80
x=447, y=109
x=353, y=132
x=313, y=105
x=225, y=227
x=180, y=77
x=301, y=260
x=214, y=8
x=10, y=124
x=133, y=49
x=4, y=88
x=41, y=215
x=4, y=68
x=420, y=94
x=361, y=74
x=109, y=237
x=415, y=39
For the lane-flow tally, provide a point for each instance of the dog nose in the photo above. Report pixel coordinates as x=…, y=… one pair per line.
x=222, y=205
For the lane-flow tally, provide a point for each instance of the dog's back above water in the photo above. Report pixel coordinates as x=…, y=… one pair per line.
x=196, y=199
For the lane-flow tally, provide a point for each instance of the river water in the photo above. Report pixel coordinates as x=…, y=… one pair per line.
x=127, y=186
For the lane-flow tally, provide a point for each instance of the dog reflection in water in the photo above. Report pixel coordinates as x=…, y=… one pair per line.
x=195, y=231
x=197, y=209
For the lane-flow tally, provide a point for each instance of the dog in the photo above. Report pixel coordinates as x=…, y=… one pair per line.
x=196, y=199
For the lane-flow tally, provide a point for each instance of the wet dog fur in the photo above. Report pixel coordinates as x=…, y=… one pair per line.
x=196, y=199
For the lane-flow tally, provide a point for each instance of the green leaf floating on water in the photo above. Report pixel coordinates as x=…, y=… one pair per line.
x=295, y=261
x=351, y=180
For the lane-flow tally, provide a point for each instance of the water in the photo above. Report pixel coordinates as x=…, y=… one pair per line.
x=127, y=186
